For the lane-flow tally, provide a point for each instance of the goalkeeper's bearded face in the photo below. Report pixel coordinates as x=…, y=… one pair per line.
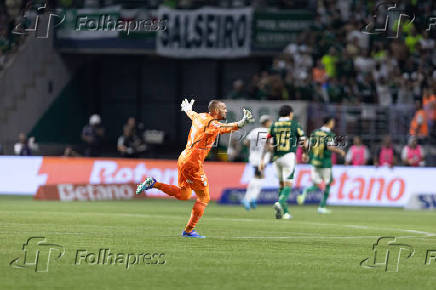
x=221, y=111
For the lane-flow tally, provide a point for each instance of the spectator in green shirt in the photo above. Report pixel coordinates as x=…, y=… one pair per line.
x=412, y=39
x=329, y=61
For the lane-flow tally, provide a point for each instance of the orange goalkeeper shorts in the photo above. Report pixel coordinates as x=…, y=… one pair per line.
x=191, y=175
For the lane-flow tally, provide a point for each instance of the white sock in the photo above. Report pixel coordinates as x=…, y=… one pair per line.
x=256, y=188
x=250, y=188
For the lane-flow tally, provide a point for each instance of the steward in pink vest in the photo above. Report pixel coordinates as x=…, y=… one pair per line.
x=358, y=154
x=386, y=155
x=413, y=154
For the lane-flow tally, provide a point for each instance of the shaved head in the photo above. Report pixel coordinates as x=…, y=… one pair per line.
x=213, y=105
x=217, y=109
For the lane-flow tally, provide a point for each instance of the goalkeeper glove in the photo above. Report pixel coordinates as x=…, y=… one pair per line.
x=186, y=105
x=247, y=118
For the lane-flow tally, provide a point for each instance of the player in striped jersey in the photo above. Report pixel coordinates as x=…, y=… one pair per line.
x=322, y=143
x=285, y=135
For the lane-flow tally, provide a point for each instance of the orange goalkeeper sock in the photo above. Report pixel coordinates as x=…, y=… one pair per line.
x=171, y=190
x=197, y=212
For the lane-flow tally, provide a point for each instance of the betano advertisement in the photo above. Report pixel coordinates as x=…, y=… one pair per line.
x=359, y=186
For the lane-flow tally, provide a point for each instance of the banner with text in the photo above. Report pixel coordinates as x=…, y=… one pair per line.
x=87, y=192
x=358, y=186
x=205, y=32
x=274, y=30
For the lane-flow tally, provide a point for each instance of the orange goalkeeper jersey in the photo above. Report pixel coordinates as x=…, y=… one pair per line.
x=202, y=135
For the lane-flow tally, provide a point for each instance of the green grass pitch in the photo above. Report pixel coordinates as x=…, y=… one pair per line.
x=243, y=250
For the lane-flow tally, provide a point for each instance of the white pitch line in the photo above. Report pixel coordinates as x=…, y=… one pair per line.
x=239, y=238
x=357, y=227
x=421, y=232
x=251, y=220
x=46, y=233
x=324, y=237
x=427, y=234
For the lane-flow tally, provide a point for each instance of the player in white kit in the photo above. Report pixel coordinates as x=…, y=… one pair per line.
x=257, y=139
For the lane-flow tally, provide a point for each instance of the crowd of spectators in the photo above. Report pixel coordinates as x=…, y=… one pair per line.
x=6, y=37
x=334, y=61
x=14, y=16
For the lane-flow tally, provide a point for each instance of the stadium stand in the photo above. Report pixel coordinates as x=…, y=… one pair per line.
x=371, y=84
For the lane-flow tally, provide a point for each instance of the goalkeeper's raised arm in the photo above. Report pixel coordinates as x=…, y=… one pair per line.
x=186, y=107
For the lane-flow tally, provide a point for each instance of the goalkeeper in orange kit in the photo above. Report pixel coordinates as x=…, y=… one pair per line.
x=204, y=130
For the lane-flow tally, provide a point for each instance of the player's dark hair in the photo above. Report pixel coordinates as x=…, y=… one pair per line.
x=285, y=110
x=213, y=104
x=327, y=119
